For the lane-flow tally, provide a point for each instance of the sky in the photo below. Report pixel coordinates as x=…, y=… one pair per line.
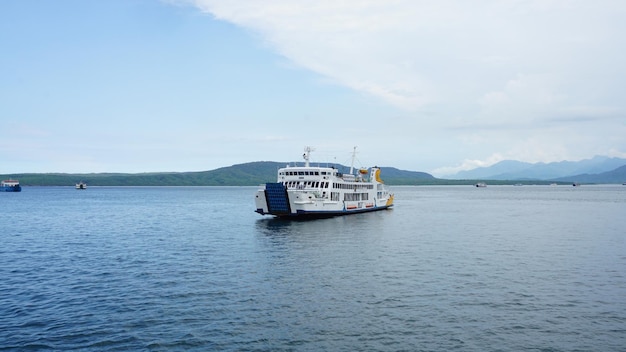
x=193, y=85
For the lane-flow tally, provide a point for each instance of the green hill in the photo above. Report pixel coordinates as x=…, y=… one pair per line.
x=248, y=174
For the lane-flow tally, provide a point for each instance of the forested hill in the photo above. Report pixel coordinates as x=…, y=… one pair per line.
x=248, y=174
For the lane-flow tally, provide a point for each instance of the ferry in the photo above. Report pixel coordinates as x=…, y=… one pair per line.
x=10, y=186
x=315, y=191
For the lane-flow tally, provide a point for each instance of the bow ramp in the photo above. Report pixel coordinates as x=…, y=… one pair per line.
x=277, y=201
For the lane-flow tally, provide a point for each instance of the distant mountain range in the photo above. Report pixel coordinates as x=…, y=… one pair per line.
x=599, y=169
x=596, y=170
x=248, y=174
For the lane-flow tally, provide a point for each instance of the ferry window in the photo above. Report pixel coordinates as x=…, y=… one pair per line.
x=301, y=173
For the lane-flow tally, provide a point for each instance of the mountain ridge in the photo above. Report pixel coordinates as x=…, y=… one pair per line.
x=258, y=172
x=246, y=174
x=517, y=170
x=614, y=176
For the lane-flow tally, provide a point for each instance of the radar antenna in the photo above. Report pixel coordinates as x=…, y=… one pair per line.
x=307, y=155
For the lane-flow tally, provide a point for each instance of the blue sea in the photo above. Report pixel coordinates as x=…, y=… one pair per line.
x=449, y=268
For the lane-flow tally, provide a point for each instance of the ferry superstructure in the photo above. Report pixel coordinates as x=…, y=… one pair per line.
x=316, y=191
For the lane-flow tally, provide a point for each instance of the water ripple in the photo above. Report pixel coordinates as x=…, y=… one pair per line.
x=194, y=268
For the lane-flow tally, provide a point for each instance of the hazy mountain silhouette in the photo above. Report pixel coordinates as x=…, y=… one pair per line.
x=516, y=170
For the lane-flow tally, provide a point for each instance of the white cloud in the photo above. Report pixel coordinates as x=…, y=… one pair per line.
x=412, y=53
x=500, y=79
x=468, y=164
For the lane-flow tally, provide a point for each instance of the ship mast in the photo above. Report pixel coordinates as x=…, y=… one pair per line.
x=307, y=155
x=353, y=157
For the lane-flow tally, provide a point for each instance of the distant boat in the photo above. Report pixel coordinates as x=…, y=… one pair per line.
x=81, y=185
x=575, y=184
x=553, y=184
x=481, y=184
x=10, y=186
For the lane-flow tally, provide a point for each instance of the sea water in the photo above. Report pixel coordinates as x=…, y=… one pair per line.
x=501, y=268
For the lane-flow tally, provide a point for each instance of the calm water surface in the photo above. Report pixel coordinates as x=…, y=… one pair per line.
x=532, y=268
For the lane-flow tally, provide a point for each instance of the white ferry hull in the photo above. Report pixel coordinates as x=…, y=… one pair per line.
x=301, y=203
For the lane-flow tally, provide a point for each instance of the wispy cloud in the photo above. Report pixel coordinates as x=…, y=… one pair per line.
x=503, y=65
x=412, y=53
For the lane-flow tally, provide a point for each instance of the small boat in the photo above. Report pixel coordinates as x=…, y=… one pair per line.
x=315, y=191
x=481, y=184
x=81, y=185
x=10, y=186
x=575, y=184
